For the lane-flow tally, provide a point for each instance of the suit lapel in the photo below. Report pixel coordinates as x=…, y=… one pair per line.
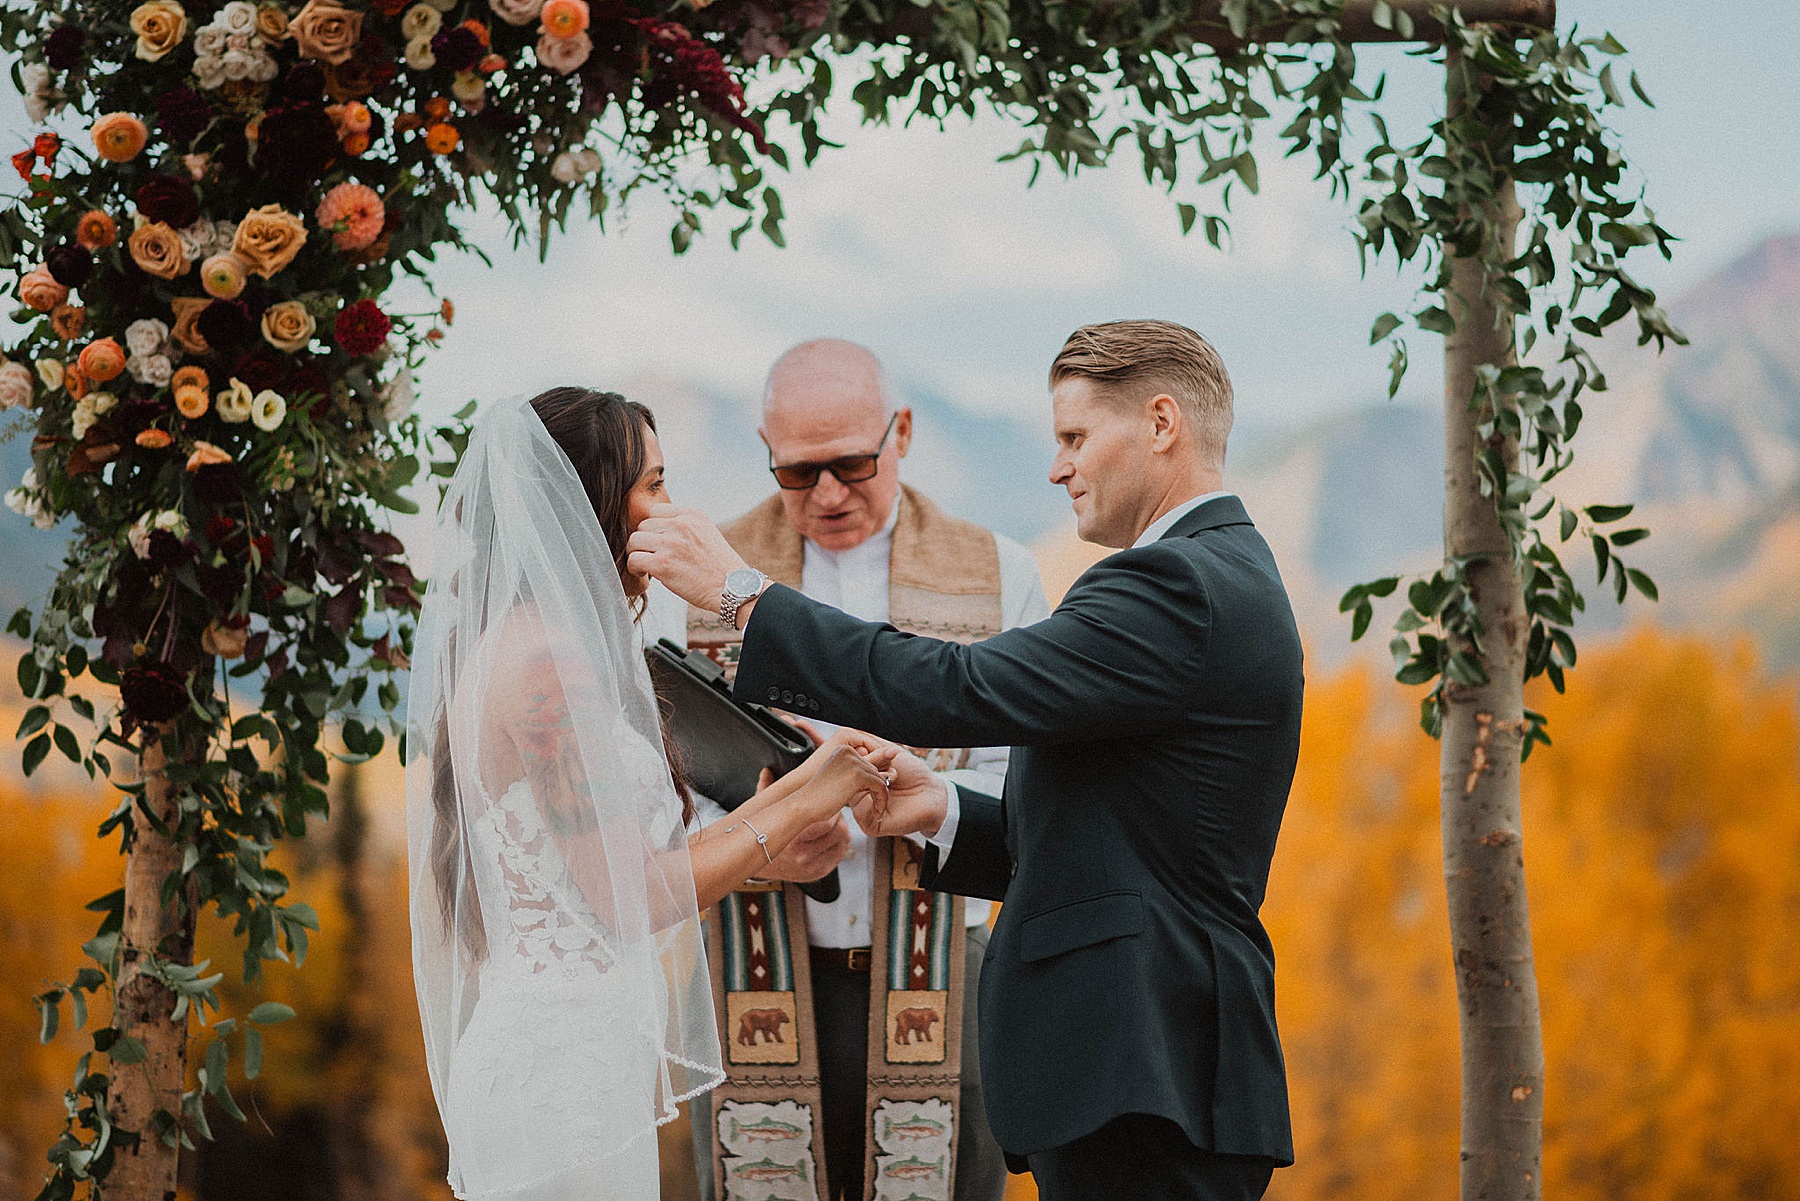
x=1226, y=510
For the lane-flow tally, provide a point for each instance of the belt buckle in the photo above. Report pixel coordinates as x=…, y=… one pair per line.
x=859, y=959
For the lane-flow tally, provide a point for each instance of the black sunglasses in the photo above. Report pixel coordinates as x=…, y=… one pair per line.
x=851, y=469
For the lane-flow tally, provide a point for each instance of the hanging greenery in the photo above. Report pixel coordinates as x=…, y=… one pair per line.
x=219, y=396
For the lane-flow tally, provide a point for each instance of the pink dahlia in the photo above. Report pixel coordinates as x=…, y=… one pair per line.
x=352, y=214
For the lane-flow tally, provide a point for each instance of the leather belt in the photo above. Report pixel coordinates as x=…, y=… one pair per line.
x=849, y=959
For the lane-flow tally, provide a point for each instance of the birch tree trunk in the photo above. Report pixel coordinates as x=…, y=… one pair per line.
x=1484, y=867
x=146, y=1172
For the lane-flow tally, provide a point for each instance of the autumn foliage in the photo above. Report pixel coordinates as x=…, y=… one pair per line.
x=1662, y=830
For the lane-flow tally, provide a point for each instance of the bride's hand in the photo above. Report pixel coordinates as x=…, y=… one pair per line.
x=841, y=779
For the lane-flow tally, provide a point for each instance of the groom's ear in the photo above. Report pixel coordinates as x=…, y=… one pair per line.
x=1167, y=421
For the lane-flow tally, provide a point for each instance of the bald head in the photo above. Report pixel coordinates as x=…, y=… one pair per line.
x=826, y=400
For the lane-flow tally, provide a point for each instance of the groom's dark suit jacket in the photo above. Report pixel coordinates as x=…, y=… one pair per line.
x=1155, y=720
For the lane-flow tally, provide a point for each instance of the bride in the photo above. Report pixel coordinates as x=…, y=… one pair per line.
x=555, y=892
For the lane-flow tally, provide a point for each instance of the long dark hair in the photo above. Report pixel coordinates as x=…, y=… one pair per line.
x=602, y=433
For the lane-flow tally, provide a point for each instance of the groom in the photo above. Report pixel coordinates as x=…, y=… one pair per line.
x=1128, y=1037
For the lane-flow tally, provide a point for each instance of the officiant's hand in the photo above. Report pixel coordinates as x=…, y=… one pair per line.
x=685, y=551
x=917, y=800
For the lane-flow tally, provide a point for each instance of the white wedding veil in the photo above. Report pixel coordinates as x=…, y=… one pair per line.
x=562, y=979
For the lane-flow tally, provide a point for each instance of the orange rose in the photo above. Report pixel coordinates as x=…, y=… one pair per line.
x=120, y=137
x=326, y=31
x=268, y=239
x=154, y=439
x=187, y=328
x=41, y=291
x=160, y=25
x=205, y=454
x=271, y=23
x=192, y=403
x=157, y=250
x=68, y=320
x=96, y=231
x=102, y=360
x=442, y=138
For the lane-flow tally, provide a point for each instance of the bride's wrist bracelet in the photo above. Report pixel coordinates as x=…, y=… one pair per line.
x=762, y=840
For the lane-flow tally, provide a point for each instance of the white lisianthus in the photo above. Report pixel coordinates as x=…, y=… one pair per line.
x=397, y=397
x=38, y=91
x=82, y=419
x=152, y=369
x=197, y=240
x=51, y=372
x=103, y=402
x=419, y=56
x=28, y=502
x=268, y=410
x=470, y=90
x=421, y=21
x=233, y=404
x=145, y=336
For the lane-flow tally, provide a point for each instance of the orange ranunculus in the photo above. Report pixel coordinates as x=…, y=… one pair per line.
x=564, y=18
x=435, y=109
x=192, y=402
x=442, y=138
x=75, y=381
x=120, y=137
x=356, y=144
x=154, y=439
x=205, y=454
x=102, y=360
x=191, y=377
x=96, y=230
x=222, y=275
x=41, y=290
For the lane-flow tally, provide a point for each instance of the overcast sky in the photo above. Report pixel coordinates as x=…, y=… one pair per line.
x=919, y=244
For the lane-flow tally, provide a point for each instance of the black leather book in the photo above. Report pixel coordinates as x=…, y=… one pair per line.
x=724, y=743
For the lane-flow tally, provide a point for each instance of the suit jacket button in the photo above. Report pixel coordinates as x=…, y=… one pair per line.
x=787, y=698
x=800, y=698
x=774, y=694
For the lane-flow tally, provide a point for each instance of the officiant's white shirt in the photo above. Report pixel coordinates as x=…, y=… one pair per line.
x=856, y=581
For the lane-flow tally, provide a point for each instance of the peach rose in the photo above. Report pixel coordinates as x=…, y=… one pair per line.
x=268, y=239
x=68, y=320
x=15, y=385
x=120, y=137
x=222, y=275
x=157, y=250
x=187, y=328
x=205, y=454
x=271, y=23
x=101, y=360
x=40, y=290
x=326, y=31
x=96, y=231
x=160, y=25
x=563, y=55
x=288, y=326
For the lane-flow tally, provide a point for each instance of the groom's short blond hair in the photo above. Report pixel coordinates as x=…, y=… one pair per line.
x=1132, y=361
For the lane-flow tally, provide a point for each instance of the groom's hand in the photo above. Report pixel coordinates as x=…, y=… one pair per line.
x=814, y=852
x=917, y=799
x=685, y=550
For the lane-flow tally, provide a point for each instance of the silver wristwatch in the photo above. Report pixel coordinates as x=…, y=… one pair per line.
x=741, y=587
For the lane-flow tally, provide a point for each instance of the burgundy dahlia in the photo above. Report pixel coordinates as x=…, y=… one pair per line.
x=169, y=199
x=152, y=692
x=260, y=368
x=458, y=48
x=62, y=49
x=70, y=266
x=295, y=143
x=225, y=324
x=169, y=552
x=362, y=328
x=183, y=115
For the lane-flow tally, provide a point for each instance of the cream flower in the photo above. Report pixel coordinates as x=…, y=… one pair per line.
x=153, y=369
x=421, y=21
x=237, y=17
x=563, y=55
x=233, y=404
x=82, y=419
x=205, y=454
x=160, y=25
x=268, y=410
x=50, y=373
x=146, y=336
x=288, y=326
x=419, y=56
x=517, y=12
x=271, y=22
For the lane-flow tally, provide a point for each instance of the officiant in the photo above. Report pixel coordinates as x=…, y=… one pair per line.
x=843, y=529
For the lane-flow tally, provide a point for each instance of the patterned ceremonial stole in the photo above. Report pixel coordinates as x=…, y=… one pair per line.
x=768, y=1139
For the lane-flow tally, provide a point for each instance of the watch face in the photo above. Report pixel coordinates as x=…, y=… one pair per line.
x=743, y=582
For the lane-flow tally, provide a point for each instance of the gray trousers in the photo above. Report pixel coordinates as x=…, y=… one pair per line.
x=841, y=1016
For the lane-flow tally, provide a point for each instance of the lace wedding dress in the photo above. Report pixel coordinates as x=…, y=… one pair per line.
x=562, y=981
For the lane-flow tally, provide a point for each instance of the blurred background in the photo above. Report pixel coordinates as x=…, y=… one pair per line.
x=1662, y=828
